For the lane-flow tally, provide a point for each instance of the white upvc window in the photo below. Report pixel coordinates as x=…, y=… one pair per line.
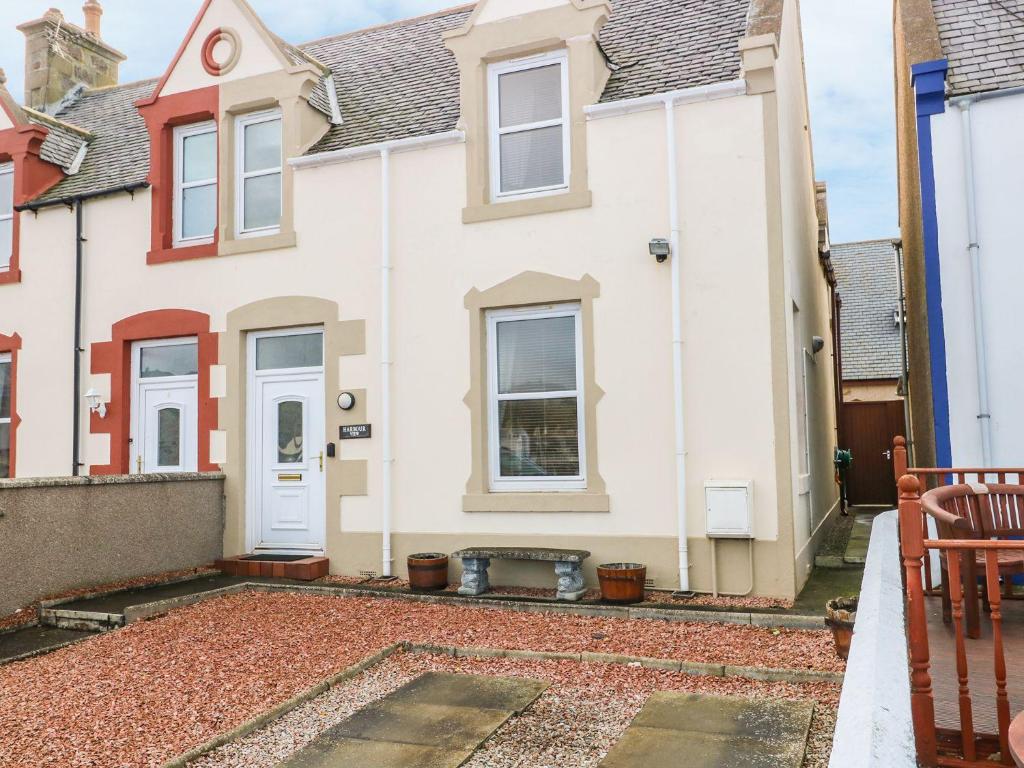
x=195, y=183
x=6, y=215
x=6, y=383
x=529, y=126
x=535, y=399
x=258, y=165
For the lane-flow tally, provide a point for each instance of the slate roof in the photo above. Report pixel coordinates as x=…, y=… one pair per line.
x=983, y=40
x=62, y=143
x=398, y=80
x=869, y=287
x=118, y=155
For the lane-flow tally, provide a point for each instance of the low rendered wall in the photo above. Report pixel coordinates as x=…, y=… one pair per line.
x=874, y=728
x=63, y=533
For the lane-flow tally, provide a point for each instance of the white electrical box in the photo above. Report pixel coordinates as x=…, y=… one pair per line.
x=730, y=509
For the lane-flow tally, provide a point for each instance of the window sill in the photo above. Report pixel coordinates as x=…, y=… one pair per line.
x=8, y=276
x=256, y=244
x=528, y=206
x=182, y=253
x=536, y=502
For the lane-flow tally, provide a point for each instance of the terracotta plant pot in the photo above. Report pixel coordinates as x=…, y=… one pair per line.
x=428, y=571
x=622, y=582
x=840, y=615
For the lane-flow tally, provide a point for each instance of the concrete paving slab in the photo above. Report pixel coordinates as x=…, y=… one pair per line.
x=355, y=753
x=434, y=725
x=435, y=721
x=504, y=693
x=857, y=546
x=36, y=640
x=714, y=732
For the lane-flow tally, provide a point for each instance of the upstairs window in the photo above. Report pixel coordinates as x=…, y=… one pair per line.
x=195, y=183
x=535, y=419
x=6, y=216
x=529, y=137
x=258, y=174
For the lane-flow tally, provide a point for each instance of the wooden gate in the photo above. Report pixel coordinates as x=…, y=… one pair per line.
x=868, y=431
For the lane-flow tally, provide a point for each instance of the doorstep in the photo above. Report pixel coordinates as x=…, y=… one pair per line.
x=300, y=568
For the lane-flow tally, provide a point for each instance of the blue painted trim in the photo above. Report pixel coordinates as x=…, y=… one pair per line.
x=929, y=83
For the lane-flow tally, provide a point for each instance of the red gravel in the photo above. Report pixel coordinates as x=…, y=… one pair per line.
x=141, y=695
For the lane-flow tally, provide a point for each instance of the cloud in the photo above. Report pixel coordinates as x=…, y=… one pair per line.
x=847, y=46
x=848, y=51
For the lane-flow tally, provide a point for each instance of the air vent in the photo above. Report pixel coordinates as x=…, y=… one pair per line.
x=368, y=574
x=649, y=583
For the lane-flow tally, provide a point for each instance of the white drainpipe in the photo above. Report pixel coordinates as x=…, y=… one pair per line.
x=981, y=358
x=677, y=343
x=387, y=460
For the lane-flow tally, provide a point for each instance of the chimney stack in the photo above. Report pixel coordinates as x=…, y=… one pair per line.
x=92, y=11
x=60, y=56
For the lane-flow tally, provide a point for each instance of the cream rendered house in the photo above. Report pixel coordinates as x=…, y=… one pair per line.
x=407, y=287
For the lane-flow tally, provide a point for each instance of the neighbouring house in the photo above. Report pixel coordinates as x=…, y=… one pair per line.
x=960, y=114
x=872, y=410
x=543, y=274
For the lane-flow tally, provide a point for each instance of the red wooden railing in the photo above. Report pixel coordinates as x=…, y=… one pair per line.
x=936, y=746
x=933, y=477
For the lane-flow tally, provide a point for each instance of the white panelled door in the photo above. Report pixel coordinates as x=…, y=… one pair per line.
x=165, y=405
x=286, y=441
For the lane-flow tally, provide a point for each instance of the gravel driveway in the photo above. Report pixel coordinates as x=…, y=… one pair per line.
x=143, y=694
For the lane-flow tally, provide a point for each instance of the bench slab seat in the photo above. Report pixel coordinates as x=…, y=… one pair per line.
x=568, y=567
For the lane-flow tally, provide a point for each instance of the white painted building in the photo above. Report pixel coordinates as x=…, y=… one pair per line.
x=453, y=220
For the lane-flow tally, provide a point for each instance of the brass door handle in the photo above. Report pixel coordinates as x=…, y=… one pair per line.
x=138, y=464
x=321, y=461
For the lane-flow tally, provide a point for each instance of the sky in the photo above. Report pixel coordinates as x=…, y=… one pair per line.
x=848, y=51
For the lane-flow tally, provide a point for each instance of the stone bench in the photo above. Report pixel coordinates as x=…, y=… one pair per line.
x=568, y=567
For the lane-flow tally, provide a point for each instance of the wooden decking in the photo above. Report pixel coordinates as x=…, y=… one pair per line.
x=942, y=648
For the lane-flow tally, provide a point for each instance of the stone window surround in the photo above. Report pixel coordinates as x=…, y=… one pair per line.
x=525, y=290
x=11, y=345
x=20, y=146
x=572, y=27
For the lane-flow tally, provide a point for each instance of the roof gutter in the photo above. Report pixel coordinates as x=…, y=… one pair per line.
x=367, y=151
x=71, y=200
x=987, y=95
x=700, y=93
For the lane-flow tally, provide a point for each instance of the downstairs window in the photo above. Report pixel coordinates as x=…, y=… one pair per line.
x=536, y=426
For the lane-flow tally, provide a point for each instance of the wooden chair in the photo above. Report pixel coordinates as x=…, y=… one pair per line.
x=979, y=511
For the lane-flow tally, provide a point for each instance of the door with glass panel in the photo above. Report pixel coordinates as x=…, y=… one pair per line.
x=286, y=441
x=165, y=406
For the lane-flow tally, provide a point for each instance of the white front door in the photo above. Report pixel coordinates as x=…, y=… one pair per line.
x=165, y=406
x=286, y=441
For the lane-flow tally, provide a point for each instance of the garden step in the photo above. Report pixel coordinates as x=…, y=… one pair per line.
x=714, y=732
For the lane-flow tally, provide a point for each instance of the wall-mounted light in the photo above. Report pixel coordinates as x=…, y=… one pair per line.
x=660, y=249
x=817, y=344
x=346, y=401
x=95, y=403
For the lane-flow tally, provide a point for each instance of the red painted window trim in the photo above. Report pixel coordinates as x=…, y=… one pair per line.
x=115, y=356
x=12, y=344
x=162, y=116
x=32, y=176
